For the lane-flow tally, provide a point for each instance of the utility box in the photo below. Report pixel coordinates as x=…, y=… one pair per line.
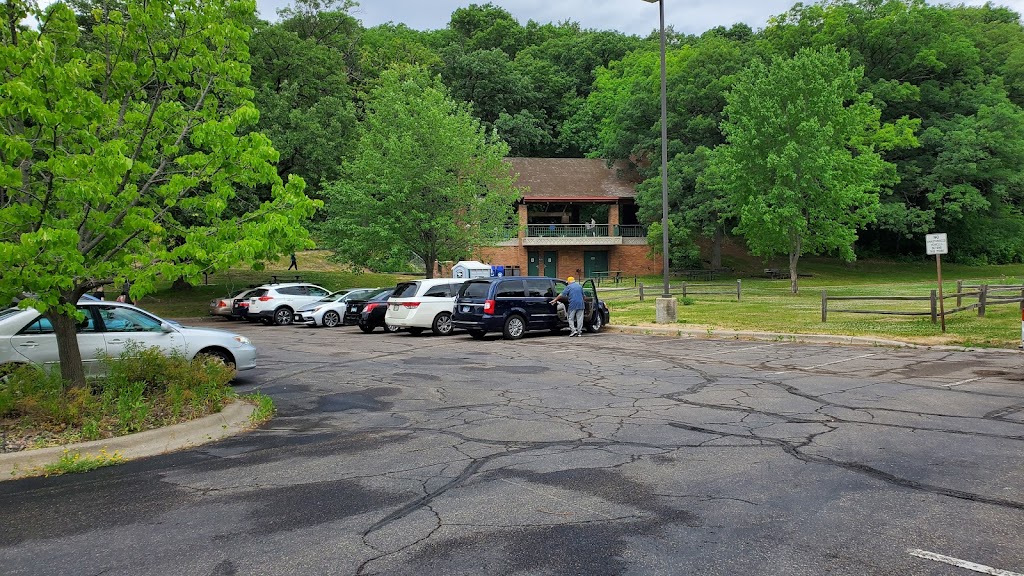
x=465, y=269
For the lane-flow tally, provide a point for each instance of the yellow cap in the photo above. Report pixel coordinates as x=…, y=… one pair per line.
x=570, y=279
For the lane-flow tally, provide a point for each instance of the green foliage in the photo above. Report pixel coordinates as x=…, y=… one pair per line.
x=74, y=462
x=143, y=389
x=264, y=408
x=123, y=150
x=801, y=166
x=424, y=178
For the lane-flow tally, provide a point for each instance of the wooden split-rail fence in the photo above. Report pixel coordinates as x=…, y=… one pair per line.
x=685, y=289
x=986, y=294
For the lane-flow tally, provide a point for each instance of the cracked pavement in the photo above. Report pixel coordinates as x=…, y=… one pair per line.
x=607, y=454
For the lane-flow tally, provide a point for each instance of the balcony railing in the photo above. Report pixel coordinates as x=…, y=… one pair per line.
x=631, y=231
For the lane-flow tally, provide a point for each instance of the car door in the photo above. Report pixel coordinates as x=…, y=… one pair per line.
x=539, y=294
x=126, y=327
x=589, y=300
x=38, y=343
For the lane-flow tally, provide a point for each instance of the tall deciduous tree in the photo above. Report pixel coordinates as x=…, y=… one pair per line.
x=111, y=147
x=424, y=177
x=801, y=163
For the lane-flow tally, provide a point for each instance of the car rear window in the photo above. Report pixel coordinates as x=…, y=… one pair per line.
x=474, y=290
x=406, y=289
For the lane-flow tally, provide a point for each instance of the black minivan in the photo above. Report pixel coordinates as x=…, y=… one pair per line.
x=513, y=305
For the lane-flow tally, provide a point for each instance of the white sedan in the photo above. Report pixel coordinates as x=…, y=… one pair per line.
x=26, y=337
x=330, y=311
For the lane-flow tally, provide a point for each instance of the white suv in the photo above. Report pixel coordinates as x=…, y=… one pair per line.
x=277, y=303
x=423, y=304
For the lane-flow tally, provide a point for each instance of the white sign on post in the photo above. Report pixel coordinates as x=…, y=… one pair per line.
x=936, y=244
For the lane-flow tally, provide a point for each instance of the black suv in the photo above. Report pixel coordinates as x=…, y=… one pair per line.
x=514, y=304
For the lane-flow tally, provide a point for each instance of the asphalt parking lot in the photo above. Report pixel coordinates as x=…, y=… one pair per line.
x=607, y=454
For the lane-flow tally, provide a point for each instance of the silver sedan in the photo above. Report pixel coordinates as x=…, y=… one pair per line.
x=26, y=337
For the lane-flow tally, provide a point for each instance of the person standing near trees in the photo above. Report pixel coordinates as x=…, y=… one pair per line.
x=573, y=296
x=294, y=263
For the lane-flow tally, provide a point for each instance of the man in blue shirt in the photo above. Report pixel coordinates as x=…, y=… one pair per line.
x=573, y=296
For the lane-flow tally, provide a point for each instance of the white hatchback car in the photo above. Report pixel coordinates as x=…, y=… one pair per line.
x=421, y=304
x=277, y=303
x=26, y=337
x=329, y=311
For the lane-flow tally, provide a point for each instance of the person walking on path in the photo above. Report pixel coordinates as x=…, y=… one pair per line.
x=294, y=263
x=573, y=296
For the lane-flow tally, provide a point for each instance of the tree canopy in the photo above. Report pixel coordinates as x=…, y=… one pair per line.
x=124, y=147
x=425, y=179
x=800, y=164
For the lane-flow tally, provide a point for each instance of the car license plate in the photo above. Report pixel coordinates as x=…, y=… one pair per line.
x=465, y=308
x=394, y=306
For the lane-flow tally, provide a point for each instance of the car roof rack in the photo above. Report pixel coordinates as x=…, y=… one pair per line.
x=273, y=279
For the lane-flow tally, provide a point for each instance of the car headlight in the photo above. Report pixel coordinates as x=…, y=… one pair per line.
x=243, y=340
x=317, y=309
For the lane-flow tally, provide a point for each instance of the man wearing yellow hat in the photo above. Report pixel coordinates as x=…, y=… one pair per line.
x=573, y=297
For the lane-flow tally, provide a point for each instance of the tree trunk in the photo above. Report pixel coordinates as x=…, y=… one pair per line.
x=71, y=368
x=180, y=284
x=716, y=248
x=793, y=258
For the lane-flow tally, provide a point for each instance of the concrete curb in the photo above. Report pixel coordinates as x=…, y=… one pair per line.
x=680, y=332
x=234, y=418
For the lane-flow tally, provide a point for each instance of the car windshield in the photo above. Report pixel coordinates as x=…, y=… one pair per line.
x=339, y=295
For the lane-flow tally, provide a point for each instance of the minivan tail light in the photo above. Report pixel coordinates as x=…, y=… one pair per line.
x=410, y=304
x=265, y=298
x=489, y=307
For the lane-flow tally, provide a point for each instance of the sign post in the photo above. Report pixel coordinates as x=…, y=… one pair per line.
x=936, y=244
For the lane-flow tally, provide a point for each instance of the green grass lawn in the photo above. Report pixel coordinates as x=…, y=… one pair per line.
x=767, y=305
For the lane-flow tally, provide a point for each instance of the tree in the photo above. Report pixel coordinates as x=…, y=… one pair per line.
x=300, y=71
x=801, y=165
x=424, y=177
x=114, y=146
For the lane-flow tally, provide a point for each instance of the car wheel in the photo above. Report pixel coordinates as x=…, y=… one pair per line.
x=415, y=331
x=366, y=328
x=442, y=324
x=283, y=316
x=596, y=322
x=477, y=334
x=332, y=319
x=391, y=328
x=515, y=327
x=219, y=355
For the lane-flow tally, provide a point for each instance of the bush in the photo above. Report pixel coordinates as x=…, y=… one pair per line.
x=143, y=389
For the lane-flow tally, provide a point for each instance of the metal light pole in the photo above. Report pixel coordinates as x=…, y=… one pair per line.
x=669, y=304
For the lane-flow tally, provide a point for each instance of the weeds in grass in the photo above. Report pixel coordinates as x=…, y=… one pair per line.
x=73, y=462
x=264, y=408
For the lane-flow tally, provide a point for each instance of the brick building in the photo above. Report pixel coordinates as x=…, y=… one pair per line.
x=576, y=217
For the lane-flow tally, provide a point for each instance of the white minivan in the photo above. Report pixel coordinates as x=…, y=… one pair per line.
x=421, y=304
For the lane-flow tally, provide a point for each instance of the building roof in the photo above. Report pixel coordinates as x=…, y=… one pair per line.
x=573, y=179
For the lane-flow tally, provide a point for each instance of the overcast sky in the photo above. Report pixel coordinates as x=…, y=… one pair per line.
x=628, y=16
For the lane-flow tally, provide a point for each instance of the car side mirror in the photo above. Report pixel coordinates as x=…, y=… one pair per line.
x=165, y=327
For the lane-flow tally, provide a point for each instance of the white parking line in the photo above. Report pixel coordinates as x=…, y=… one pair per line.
x=961, y=382
x=840, y=361
x=961, y=563
x=736, y=350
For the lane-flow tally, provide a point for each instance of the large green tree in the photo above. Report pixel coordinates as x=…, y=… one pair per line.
x=801, y=165
x=120, y=155
x=424, y=178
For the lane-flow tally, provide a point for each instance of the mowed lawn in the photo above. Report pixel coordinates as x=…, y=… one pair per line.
x=766, y=305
